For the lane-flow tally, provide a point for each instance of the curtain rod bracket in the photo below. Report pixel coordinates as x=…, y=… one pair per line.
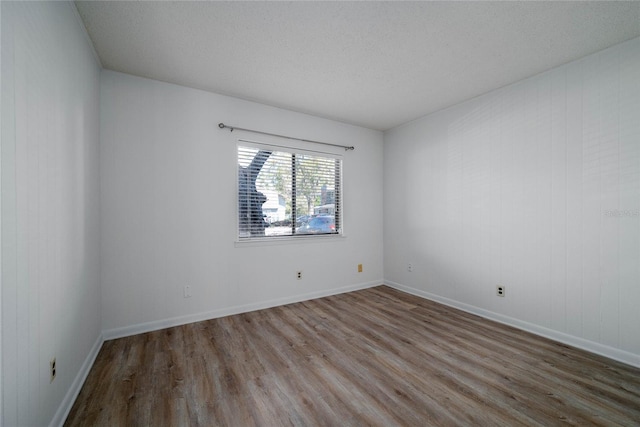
x=232, y=128
x=222, y=126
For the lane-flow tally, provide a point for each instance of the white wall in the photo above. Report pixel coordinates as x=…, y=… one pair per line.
x=50, y=259
x=536, y=187
x=168, y=209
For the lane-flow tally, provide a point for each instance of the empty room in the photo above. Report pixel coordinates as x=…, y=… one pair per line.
x=305, y=213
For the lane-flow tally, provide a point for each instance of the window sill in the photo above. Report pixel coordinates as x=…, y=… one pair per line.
x=289, y=240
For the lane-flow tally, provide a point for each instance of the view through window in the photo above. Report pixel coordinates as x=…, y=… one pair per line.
x=287, y=193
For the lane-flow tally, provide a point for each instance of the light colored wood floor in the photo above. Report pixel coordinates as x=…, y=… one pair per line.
x=371, y=357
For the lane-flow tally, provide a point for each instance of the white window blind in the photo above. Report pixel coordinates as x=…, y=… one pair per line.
x=287, y=192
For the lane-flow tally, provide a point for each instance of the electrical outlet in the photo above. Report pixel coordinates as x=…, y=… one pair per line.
x=410, y=268
x=359, y=268
x=52, y=370
x=500, y=290
x=187, y=291
x=299, y=275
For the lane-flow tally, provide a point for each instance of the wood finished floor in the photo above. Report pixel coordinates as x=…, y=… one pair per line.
x=372, y=357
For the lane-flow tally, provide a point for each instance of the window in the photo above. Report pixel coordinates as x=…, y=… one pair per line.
x=286, y=192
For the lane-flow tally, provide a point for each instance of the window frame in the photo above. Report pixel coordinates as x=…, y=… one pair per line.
x=301, y=148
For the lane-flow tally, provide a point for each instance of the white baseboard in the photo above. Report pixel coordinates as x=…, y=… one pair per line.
x=67, y=403
x=183, y=320
x=593, y=347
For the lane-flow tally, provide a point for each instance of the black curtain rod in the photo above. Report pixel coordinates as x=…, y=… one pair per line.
x=346, y=147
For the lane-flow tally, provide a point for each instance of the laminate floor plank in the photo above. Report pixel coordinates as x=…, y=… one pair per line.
x=372, y=357
x=460, y=393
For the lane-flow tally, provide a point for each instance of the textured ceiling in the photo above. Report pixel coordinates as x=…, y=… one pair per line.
x=374, y=64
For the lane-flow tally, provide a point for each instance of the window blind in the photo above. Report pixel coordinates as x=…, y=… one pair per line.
x=287, y=192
